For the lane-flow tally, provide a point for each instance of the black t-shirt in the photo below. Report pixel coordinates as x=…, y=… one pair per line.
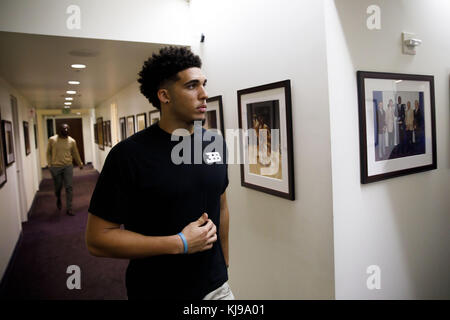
x=143, y=189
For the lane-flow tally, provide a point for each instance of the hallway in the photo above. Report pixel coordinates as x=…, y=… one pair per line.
x=51, y=241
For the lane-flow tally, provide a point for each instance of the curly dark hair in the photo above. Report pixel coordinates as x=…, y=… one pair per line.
x=162, y=67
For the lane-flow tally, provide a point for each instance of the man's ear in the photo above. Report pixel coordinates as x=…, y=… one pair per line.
x=163, y=95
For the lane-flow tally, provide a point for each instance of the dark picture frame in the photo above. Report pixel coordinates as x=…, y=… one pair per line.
x=267, y=106
x=3, y=177
x=101, y=140
x=123, y=128
x=8, y=142
x=141, y=121
x=26, y=136
x=108, y=133
x=153, y=117
x=131, y=126
x=95, y=133
x=397, y=125
x=35, y=137
x=214, y=115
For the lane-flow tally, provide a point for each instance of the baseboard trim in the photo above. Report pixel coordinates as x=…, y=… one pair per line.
x=4, y=280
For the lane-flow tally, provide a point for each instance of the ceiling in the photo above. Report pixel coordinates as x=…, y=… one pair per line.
x=38, y=66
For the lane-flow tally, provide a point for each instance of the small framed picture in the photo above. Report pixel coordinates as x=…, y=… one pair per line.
x=141, y=120
x=107, y=137
x=101, y=140
x=397, y=127
x=131, y=129
x=123, y=128
x=8, y=142
x=26, y=135
x=214, y=114
x=2, y=159
x=95, y=133
x=35, y=137
x=265, y=120
x=154, y=116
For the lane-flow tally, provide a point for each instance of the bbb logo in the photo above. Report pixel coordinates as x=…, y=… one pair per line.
x=213, y=157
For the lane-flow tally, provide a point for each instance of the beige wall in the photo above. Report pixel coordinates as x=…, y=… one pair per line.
x=400, y=224
x=279, y=249
x=11, y=212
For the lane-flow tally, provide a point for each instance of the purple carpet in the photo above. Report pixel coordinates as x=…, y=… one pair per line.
x=52, y=241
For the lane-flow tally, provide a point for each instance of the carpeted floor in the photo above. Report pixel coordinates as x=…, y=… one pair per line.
x=52, y=241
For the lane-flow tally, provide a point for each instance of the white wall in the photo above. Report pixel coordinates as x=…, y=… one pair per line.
x=400, y=224
x=10, y=215
x=279, y=249
x=157, y=21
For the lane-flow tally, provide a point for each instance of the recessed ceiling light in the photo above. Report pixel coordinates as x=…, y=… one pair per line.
x=73, y=82
x=67, y=103
x=69, y=98
x=71, y=92
x=398, y=81
x=78, y=113
x=78, y=66
x=66, y=107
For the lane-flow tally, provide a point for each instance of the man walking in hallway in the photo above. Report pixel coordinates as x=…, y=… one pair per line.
x=154, y=197
x=61, y=151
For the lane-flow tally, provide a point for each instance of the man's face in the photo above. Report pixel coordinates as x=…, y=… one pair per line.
x=188, y=95
x=399, y=100
x=64, y=130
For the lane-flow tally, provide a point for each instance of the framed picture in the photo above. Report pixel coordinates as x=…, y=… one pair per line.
x=266, y=144
x=214, y=114
x=123, y=128
x=130, y=126
x=35, y=137
x=8, y=142
x=101, y=142
x=26, y=135
x=141, y=120
x=95, y=133
x=2, y=159
x=397, y=127
x=108, y=133
x=154, y=116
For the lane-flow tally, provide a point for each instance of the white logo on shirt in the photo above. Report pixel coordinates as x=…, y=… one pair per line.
x=213, y=157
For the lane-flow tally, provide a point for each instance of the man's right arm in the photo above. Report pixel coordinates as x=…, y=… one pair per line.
x=107, y=239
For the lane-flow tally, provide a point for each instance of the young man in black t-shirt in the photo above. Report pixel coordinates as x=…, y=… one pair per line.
x=144, y=187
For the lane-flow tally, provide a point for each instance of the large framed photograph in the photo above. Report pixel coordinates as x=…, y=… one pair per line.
x=214, y=115
x=123, y=128
x=2, y=159
x=141, y=120
x=26, y=135
x=130, y=126
x=8, y=142
x=154, y=116
x=397, y=127
x=101, y=141
x=266, y=144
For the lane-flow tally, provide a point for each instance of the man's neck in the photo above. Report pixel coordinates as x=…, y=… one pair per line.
x=63, y=137
x=169, y=124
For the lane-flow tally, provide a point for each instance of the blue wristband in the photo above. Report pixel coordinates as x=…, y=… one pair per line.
x=184, y=242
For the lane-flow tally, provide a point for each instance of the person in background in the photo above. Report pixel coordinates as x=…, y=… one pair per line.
x=61, y=151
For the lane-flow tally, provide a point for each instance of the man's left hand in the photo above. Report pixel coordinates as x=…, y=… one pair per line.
x=81, y=167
